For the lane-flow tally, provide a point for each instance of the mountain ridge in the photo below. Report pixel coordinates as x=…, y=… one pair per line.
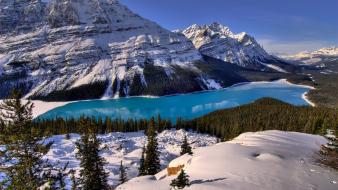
x=311, y=57
x=218, y=41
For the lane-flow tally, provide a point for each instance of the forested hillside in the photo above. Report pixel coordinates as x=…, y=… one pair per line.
x=263, y=114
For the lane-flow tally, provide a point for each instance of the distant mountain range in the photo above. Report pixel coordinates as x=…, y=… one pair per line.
x=70, y=50
x=322, y=55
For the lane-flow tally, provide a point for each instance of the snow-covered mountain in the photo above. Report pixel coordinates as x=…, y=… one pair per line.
x=66, y=50
x=324, y=54
x=262, y=160
x=217, y=41
x=90, y=48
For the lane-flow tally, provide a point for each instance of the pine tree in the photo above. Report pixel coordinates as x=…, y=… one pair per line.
x=123, y=175
x=181, y=181
x=185, y=147
x=21, y=146
x=73, y=179
x=141, y=169
x=152, y=159
x=159, y=123
x=92, y=173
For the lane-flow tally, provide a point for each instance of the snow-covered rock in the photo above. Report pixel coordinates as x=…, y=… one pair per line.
x=262, y=160
x=59, y=45
x=324, y=54
x=217, y=41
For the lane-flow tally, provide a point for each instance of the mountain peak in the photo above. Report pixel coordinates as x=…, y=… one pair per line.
x=242, y=35
x=209, y=30
x=217, y=41
x=220, y=29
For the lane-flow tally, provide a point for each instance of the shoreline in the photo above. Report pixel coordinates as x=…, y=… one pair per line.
x=304, y=96
x=285, y=81
x=300, y=85
x=42, y=107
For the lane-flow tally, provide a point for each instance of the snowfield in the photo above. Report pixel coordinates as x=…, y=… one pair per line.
x=126, y=147
x=262, y=160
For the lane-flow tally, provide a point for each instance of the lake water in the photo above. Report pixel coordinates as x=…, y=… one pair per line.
x=186, y=106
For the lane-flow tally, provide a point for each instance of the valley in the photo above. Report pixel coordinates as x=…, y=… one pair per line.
x=119, y=94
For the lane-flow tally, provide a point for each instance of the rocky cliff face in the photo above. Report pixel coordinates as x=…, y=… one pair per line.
x=217, y=41
x=21, y=15
x=90, y=49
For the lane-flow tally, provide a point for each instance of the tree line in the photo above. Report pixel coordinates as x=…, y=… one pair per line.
x=263, y=114
x=57, y=126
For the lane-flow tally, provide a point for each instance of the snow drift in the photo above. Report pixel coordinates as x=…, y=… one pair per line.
x=262, y=160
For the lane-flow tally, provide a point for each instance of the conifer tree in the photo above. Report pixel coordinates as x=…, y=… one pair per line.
x=152, y=159
x=141, y=169
x=181, y=181
x=92, y=173
x=123, y=175
x=73, y=179
x=159, y=123
x=22, y=147
x=185, y=147
x=324, y=127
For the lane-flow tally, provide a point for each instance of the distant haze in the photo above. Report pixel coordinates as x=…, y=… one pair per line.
x=283, y=26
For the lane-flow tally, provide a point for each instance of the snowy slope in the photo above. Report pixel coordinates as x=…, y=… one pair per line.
x=126, y=147
x=217, y=41
x=263, y=160
x=41, y=107
x=59, y=45
x=324, y=54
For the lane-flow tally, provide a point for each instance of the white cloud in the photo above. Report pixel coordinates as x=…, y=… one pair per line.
x=280, y=47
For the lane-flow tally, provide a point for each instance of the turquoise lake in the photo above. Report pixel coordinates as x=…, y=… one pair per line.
x=187, y=106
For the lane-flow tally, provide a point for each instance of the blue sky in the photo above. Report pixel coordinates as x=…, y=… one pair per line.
x=281, y=26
